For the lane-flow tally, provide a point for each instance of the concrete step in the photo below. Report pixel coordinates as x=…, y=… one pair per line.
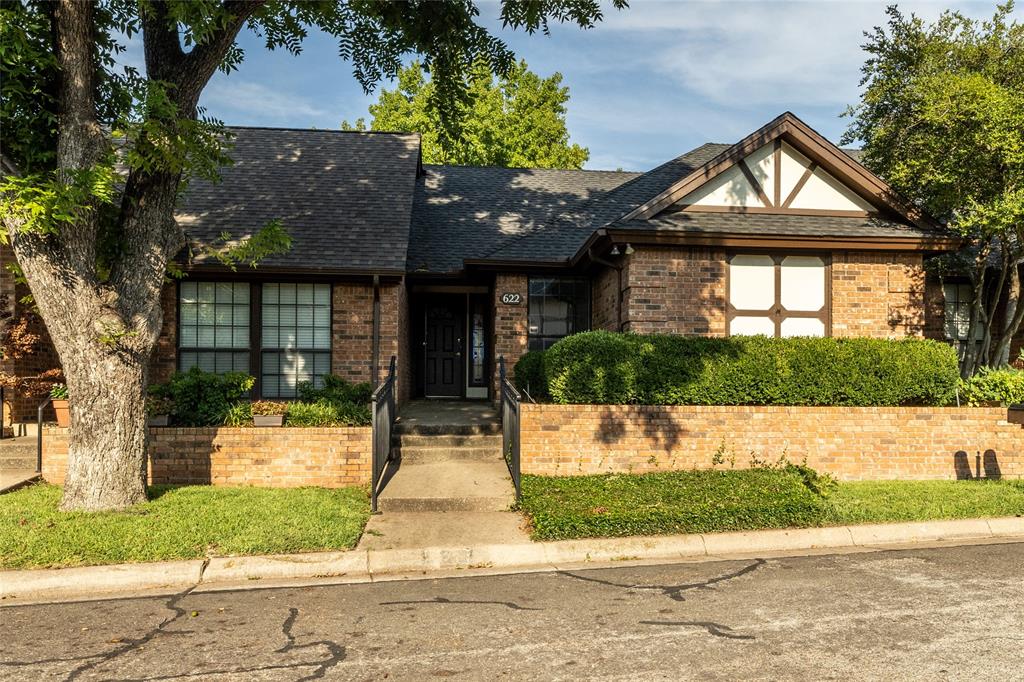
x=447, y=440
x=17, y=463
x=412, y=428
x=449, y=486
x=413, y=454
x=17, y=454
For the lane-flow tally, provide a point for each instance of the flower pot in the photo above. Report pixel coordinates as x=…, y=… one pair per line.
x=160, y=420
x=268, y=420
x=63, y=413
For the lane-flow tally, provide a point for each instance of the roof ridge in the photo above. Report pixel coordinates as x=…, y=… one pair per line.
x=527, y=168
x=324, y=130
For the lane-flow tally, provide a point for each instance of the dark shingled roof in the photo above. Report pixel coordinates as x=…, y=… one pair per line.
x=345, y=197
x=560, y=240
x=466, y=212
x=772, y=224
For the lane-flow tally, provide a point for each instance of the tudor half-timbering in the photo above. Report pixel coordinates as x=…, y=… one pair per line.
x=447, y=268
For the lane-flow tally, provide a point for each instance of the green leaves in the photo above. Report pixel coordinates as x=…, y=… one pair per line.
x=516, y=120
x=269, y=240
x=46, y=202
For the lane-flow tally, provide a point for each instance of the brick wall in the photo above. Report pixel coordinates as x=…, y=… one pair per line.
x=878, y=295
x=164, y=361
x=510, y=323
x=41, y=359
x=264, y=457
x=352, y=343
x=850, y=443
x=677, y=291
x=604, y=300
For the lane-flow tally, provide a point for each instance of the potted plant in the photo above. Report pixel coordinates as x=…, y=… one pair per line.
x=268, y=413
x=159, y=410
x=59, y=398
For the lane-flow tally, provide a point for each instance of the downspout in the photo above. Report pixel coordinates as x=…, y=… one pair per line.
x=375, y=361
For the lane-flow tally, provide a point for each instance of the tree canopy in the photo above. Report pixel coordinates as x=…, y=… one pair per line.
x=515, y=120
x=941, y=117
x=95, y=156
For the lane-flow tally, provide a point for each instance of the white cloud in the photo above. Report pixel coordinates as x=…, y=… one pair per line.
x=238, y=101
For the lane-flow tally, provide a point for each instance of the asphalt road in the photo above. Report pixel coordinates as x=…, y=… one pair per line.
x=933, y=614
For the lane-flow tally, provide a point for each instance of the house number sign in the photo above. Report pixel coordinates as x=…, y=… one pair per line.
x=511, y=299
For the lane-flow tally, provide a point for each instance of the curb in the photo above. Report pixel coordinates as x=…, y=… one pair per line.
x=370, y=565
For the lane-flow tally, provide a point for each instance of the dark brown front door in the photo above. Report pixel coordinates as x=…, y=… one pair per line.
x=442, y=354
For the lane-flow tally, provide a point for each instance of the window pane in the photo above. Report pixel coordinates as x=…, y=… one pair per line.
x=189, y=313
x=803, y=283
x=802, y=326
x=293, y=326
x=752, y=282
x=557, y=307
x=214, y=315
x=752, y=326
x=188, y=292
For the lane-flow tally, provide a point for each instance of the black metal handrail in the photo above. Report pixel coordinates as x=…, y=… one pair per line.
x=39, y=434
x=3, y=429
x=384, y=415
x=510, y=399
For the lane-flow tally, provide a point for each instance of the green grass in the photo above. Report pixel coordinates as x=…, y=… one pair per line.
x=179, y=522
x=709, y=501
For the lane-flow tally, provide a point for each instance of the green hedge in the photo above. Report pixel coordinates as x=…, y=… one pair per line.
x=1004, y=386
x=608, y=368
x=612, y=505
x=529, y=375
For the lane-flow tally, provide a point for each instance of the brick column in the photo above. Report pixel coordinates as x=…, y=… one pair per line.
x=510, y=323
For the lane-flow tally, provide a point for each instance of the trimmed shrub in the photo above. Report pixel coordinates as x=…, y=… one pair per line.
x=529, y=374
x=327, y=413
x=203, y=398
x=336, y=390
x=1003, y=386
x=609, y=368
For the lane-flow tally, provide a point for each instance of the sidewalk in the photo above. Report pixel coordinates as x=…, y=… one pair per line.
x=371, y=564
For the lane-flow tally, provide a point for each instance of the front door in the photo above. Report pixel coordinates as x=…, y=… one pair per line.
x=442, y=347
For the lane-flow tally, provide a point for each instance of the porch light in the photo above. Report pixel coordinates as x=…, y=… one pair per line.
x=629, y=249
x=614, y=252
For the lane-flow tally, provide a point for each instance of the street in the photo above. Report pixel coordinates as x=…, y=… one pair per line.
x=949, y=613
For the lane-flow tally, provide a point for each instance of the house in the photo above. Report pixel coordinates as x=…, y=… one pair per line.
x=448, y=268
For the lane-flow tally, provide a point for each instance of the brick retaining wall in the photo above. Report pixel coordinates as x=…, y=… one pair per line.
x=850, y=443
x=266, y=457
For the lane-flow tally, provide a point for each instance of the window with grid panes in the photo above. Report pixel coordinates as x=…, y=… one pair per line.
x=558, y=307
x=295, y=337
x=213, y=326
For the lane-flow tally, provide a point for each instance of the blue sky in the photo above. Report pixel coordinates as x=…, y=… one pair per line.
x=647, y=84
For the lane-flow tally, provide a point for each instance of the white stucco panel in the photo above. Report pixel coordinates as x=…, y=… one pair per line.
x=730, y=188
x=822, y=191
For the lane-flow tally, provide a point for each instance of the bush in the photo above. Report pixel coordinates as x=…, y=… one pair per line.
x=609, y=368
x=203, y=398
x=1003, y=386
x=529, y=374
x=336, y=390
x=327, y=413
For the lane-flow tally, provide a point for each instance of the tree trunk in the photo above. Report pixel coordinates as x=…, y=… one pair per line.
x=1013, y=317
x=107, y=446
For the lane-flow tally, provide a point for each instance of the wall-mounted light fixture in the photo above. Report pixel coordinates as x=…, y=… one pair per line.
x=615, y=251
x=629, y=249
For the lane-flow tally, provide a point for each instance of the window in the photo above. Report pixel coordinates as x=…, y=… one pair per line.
x=778, y=295
x=295, y=337
x=958, y=299
x=477, y=341
x=558, y=307
x=213, y=329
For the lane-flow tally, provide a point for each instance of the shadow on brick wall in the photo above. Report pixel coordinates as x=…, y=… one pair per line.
x=985, y=466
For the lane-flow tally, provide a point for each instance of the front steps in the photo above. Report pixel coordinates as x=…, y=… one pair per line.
x=448, y=461
x=17, y=462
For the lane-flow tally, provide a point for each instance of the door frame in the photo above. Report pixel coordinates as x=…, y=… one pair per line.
x=456, y=304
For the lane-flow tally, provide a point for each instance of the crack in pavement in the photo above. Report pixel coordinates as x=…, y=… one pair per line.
x=716, y=629
x=674, y=592
x=443, y=600
x=133, y=644
x=336, y=651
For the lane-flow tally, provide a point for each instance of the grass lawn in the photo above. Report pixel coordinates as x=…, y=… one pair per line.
x=178, y=522
x=709, y=501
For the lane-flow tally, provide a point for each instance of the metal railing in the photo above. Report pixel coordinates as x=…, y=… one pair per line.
x=39, y=434
x=384, y=415
x=510, y=399
x=3, y=406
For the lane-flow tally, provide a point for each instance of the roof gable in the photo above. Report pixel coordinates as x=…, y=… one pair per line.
x=785, y=167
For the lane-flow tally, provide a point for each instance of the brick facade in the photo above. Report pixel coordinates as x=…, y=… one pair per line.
x=352, y=331
x=878, y=295
x=265, y=457
x=868, y=443
x=510, y=323
x=673, y=290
